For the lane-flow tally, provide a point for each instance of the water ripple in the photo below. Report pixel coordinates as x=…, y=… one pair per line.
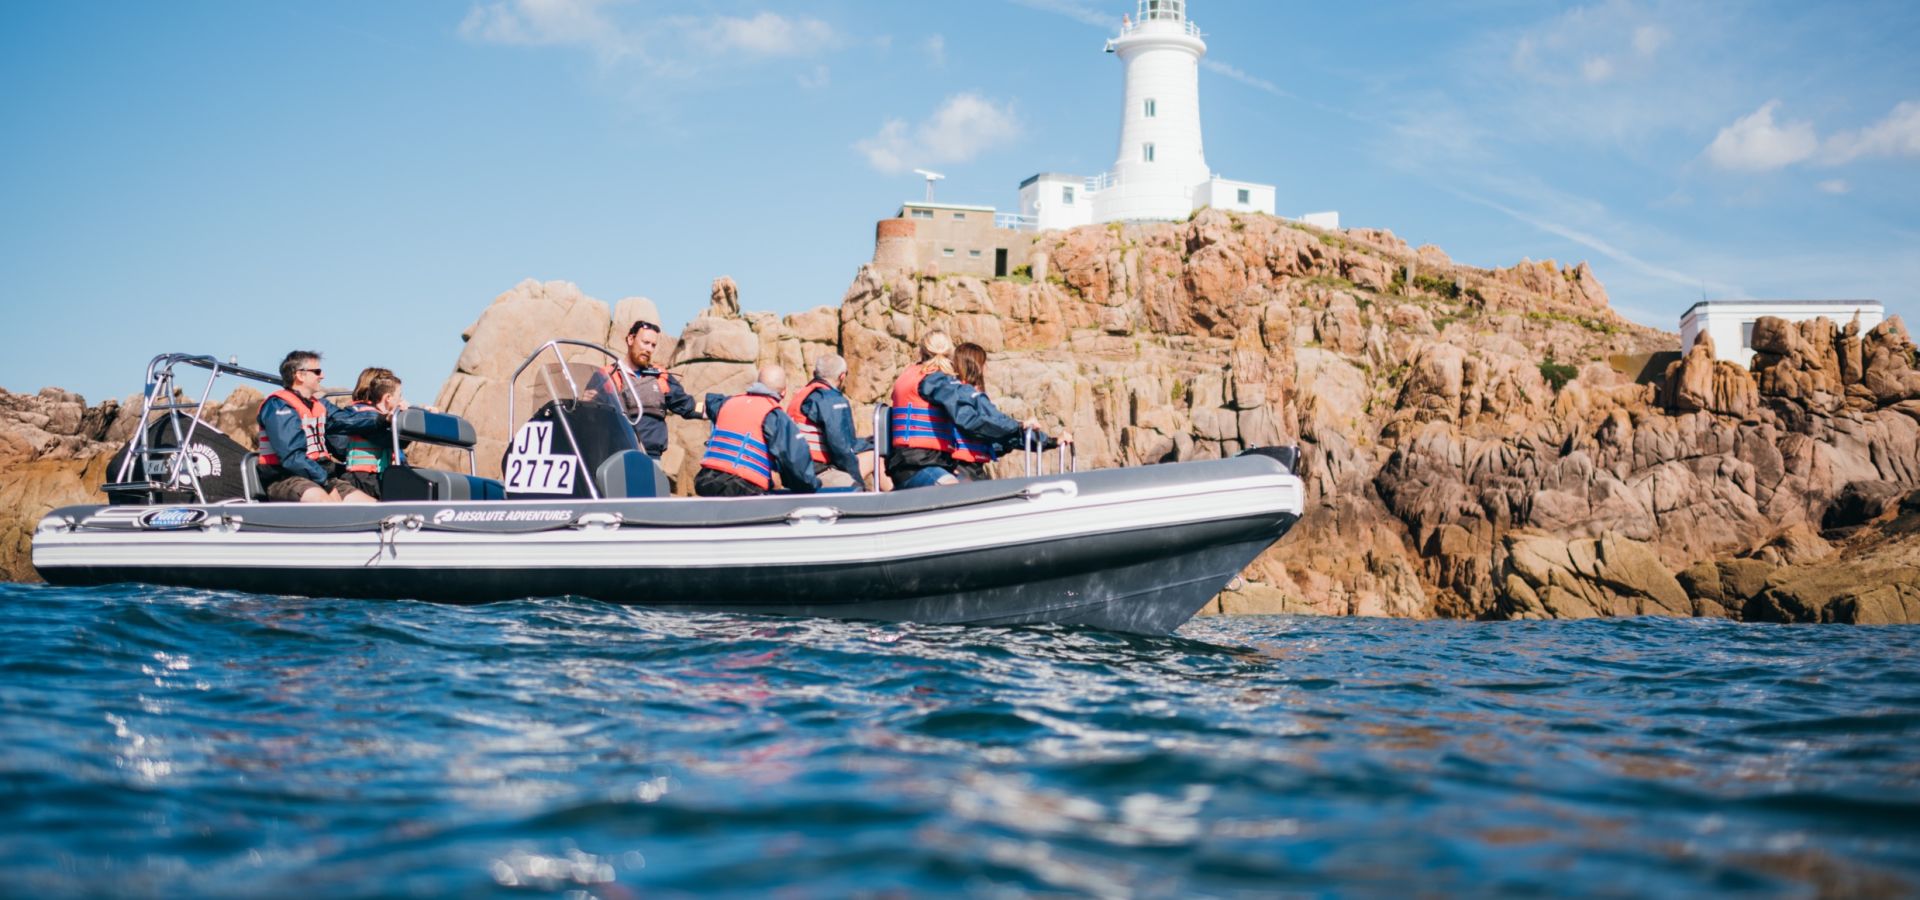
x=158, y=742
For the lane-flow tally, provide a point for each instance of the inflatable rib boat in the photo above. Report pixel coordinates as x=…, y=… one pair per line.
x=584, y=513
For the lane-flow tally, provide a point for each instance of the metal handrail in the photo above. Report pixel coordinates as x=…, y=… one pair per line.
x=1016, y=222
x=1036, y=456
x=554, y=345
x=159, y=384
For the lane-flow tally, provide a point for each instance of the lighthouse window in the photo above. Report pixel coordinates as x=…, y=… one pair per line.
x=1146, y=152
x=922, y=213
x=1066, y=195
x=975, y=254
x=1148, y=108
x=946, y=251
x=959, y=215
x=1246, y=196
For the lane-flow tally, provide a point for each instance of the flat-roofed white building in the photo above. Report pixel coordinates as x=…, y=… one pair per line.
x=1730, y=322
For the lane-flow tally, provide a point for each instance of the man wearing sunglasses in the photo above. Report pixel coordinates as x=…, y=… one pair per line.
x=660, y=393
x=294, y=423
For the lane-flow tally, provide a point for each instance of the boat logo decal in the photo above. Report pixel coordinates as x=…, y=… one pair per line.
x=198, y=461
x=173, y=518
x=502, y=515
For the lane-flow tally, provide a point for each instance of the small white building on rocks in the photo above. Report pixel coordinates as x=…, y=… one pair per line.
x=1730, y=322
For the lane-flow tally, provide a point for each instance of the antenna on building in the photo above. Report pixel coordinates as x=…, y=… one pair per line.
x=931, y=178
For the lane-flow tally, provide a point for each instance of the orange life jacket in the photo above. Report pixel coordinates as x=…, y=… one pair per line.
x=970, y=450
x=808, y=428
x=617, y=378
x=914, y=422
x=365, y=454
x=313, y=423
x=739, y=442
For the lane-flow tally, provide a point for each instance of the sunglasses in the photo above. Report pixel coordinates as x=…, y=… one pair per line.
x=314, y=371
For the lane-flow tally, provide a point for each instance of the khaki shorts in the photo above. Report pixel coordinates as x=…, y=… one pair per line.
x=289, y=489
x=834, y=478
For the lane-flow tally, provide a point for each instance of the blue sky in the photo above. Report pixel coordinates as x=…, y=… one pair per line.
x=364, y=177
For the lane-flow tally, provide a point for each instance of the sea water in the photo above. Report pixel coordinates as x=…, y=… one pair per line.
x=162, y=742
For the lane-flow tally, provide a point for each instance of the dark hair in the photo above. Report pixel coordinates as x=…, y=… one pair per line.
x=970, y=364
x=368, y=388
x=639, y=324
x=294, y=362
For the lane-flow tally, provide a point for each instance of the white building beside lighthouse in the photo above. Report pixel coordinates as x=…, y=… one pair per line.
x=1161, y=169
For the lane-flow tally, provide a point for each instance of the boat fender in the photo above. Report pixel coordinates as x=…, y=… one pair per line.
x=55, y=525
x=1065, y=490
x=599, y=521
x=813, y=515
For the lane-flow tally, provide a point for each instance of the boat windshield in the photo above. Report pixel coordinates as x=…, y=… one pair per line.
x=563, y=369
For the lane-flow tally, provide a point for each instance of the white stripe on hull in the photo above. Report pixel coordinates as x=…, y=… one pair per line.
x=849, y=540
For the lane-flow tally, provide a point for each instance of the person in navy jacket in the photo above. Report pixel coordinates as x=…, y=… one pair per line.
x=825, y=418
x=752, y=439
x=295, y=464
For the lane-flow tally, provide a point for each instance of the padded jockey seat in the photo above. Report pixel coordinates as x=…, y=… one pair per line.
x=408, y=483
x=630, y=473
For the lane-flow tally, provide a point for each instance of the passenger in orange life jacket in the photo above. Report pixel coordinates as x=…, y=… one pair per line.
x=365, y=456
x=660, y=393
x=295, y=464
x=825, y=419
x=752, y=439
x=935, y=414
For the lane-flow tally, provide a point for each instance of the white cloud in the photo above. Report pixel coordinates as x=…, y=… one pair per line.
x=1898, y=134
x=1602, y=246
x=1597, y=69
x=1648, y=39
x=1078, y=12
x=1754, y=143
x=769, y=35
x=543, y=23
x=1834, y=186
x=964, y=127
x=820, y=77
x=935, y=49
x=1240, y=75
x=667, y=46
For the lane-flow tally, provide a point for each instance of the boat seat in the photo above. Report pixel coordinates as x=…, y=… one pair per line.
x=630, y=473
x=402, y=482
x=250, y=478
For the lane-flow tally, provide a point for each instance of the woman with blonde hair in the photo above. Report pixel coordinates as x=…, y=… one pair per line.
x=936, y=413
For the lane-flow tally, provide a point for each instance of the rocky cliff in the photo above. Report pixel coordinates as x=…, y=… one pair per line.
x=1478, y=442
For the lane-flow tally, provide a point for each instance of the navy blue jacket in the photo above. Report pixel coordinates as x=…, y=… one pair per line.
x=651, y=430
x=791, y=458
x=281, y=424
x=830, y=410
x=974, y=413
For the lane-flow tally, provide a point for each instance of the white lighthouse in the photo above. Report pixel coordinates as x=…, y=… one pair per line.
x=1161, y=169
x=1161, y=158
